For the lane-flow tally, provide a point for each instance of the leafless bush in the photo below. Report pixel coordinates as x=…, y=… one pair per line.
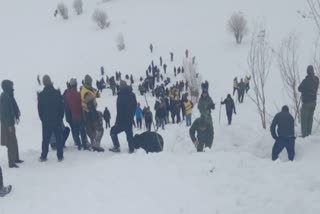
x=120, y=42
x=63, y=10
x=314, y=6
x=259, y=63
x=193, y=78
x=100, y=18
x=289, y=70
x=78, y=6
x=316, y=57
x=237, y=25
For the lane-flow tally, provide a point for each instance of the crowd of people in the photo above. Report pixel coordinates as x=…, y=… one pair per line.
x=85, y=121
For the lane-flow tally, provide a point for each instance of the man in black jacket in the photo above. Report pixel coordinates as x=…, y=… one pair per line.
x=10, y=114
x=230, y=108
x=51, y=112
x=126, y=107
x=282, y=130
x=309, y=89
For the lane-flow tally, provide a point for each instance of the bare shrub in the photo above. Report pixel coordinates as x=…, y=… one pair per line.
x=289, y=70
x=78, y=6
x=316, y=57
x=237, y=25
x=314, y=6
x=120, y=42
x=63, y=10
x=100, y=18
x=259, y=62
x=193, y=78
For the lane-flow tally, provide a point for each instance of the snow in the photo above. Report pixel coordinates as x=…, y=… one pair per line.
x=236, y=176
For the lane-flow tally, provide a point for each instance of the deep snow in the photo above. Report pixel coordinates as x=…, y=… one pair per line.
x=236, y=176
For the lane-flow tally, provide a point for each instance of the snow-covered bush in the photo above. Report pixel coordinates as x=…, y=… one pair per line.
x=78, y=6
x=100, y=18
x=63, y=10
x=120, y=42
x=237, y=25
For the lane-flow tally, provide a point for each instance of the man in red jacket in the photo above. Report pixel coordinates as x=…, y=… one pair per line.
x=73, y=104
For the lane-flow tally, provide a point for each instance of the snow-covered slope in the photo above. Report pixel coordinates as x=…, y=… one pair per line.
x=237, y=176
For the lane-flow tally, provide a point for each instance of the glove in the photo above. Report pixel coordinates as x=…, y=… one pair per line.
x=196, y=143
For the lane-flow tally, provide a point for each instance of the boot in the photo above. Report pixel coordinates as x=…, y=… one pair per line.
x=97, y=149
x=5, y=190
x=115, y=149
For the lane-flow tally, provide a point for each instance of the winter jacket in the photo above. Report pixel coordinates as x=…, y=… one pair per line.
x=282, y=125
x=205, y=106
x=230, y=107
x=148, y=117
x=138, y=113
x=88, y=99
x=72, y=101
x=309, y=88
x=149, y=141
x=126, y=107
x=188, y=105
x=9, y=110
x=50, y=106
x=204, y=131
x=241, y=87
x=235, y=83
x=106, y=115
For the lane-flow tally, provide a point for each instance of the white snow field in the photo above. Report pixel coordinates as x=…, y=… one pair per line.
x=236, y=177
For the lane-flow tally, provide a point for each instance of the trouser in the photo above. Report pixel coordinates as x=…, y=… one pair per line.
x=240, y=97
x=201, y=146
x=282, y=143
x=229, y=116
x=307, y=112
x=188, y=120
x=47, y=131
x=107, y=124
x=173, y=115
x=78, y=130
x=115, y=130
x=160, y=122
x=12, y=147
x=234, y=91
x=148, y=126
x=1, y=178
x=134, y=123
x=178, y=116
x=139, y=123
x=94, y=132
x=247, y=87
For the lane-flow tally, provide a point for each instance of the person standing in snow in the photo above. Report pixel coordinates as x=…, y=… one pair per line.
x=204, y=130
x=247, y=82
x=230, y=108
x=72, y=99
x=160, y=108
x=282, y=130
x=309, y=90
x=205, y=104
x=235, y=85
x=188, y=105
x=9, y=115
x=148, y=118
x=139, y=116
x=51, y=112
x=4, y=190
x=171, y=56
x=107, y=117
x=92, y=117
x=241, y=90
x=151, y=48
x=126, y=107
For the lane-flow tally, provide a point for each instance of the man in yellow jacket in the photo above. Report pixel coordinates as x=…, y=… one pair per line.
x=188, y=105
x=92, y=117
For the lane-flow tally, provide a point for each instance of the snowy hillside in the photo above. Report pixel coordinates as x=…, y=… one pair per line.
x=237, y=176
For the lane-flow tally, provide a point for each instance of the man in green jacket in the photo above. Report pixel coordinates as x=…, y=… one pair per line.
x=205, y=133
x=206, y=104
x=309, y=90
x=9, y=115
